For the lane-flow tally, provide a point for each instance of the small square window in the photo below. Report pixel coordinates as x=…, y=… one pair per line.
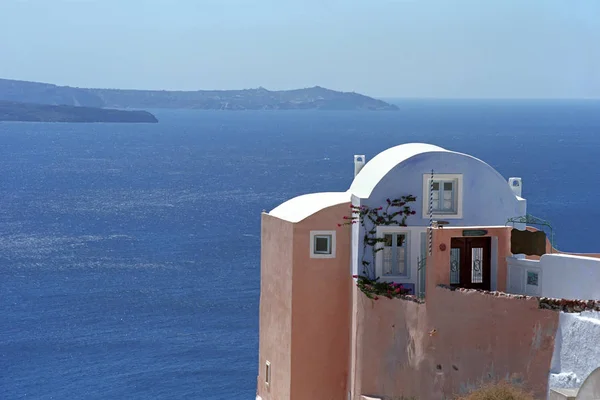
x=322, y=244
x=532, y=278
x=267, y=373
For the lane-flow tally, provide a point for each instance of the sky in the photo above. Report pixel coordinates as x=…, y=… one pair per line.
x=381, y=48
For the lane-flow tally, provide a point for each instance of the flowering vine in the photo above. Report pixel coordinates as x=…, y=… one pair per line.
x=393, y=214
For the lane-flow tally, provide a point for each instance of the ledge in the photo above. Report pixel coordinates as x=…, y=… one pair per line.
x=545, y=303
x=410, y=297
x=568, y=306
x=563, y=394
x=406, y=297
x=486, y=292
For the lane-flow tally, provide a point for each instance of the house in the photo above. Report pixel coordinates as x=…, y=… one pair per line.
x=399, y=286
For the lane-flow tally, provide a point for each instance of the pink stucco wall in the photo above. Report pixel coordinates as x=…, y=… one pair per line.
x=321, y=311
x=275, y=323
x=451, y=344
x=304, y=309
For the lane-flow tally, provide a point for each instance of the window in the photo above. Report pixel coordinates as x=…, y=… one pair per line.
x=455, y=265
x=533, y=281
x=443, y=197
x=392, y=259
x=394, y=254
x=322, y=244
x=445, y=194
x=267, y=373
x=532, y=278
x=477, y=265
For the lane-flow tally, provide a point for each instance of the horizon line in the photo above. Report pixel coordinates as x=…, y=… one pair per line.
x=412, y=98
x=382, y=98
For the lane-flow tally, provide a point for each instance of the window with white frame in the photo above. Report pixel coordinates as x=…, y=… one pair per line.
x=533, y=282
x=393, y=258
x=267, y=373
x=322, y=244
x=445, y=193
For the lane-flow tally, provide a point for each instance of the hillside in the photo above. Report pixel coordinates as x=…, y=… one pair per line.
x=29, y=112
x=248, y=99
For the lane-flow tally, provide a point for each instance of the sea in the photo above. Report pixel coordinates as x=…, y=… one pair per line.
x=130, y=253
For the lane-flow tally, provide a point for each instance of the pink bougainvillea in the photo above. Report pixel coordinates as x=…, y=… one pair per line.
x=394, y=213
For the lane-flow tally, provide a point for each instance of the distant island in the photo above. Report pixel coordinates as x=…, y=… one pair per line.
x=315, y=98
x=31, y=112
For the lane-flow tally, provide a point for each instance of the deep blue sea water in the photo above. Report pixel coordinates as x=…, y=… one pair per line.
x=129, y=254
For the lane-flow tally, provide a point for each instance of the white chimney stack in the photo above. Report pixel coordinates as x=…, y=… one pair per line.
x=516, y=184
x=359, y=162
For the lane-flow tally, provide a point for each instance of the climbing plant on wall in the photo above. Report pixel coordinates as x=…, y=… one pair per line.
x=394, y=213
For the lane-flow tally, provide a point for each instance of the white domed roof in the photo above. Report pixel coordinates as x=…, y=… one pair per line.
x=301, y=207
x=374, y=170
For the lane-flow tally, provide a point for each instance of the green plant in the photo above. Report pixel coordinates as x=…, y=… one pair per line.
x=394, y=214
x=498, y=391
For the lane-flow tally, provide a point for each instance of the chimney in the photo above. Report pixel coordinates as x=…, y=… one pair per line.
x=516, y=184
x=359, y=162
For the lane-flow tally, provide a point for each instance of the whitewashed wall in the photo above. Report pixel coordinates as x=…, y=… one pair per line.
x=518, y=270
x=560, y=276
x=576, y=350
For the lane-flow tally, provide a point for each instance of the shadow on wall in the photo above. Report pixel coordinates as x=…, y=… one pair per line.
x=591, y=387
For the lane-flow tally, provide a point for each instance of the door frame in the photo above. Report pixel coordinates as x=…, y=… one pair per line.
x=466, y=246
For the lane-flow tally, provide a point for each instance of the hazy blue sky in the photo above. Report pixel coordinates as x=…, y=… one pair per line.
x=384, y=48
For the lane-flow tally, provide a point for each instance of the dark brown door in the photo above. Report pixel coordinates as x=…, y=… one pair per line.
x=470, y=263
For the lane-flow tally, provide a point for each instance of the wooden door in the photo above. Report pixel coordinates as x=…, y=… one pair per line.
x=470, y=262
